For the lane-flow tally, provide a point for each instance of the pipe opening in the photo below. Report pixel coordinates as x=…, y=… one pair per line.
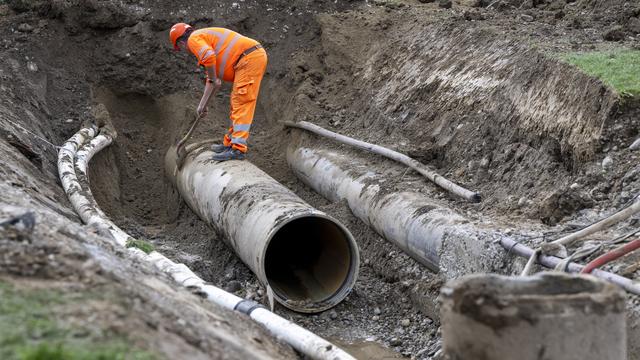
x=311, y=260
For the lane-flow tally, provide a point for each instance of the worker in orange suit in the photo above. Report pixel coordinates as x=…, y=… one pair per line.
x=227, y=56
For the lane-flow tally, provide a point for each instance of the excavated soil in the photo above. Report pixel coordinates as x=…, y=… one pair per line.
x=476, y=92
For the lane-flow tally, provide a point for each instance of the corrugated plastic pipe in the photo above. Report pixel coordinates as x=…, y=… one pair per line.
x=72, y=166
x=307, y=258
x=83, y=157
x=84, y=205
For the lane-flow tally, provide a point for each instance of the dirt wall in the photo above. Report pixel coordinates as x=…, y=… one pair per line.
x=485, y=109
x=447, y=86
x=475, y=84
x=45, y=96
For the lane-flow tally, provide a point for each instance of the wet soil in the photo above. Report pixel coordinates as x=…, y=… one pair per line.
x=382, y=71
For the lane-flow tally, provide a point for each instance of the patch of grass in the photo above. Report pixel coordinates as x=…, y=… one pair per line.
x=25, y=318
x=145, y=246
x=58, y=351
x=619, y=69
x=30, y=329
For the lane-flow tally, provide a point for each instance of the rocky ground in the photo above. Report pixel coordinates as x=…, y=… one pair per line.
x=383, y=71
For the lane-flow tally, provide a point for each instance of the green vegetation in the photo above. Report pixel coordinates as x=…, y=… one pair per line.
x=29, y=329
x=24, y=318
x=619, y=69
x=46, y=351
x=145, y=246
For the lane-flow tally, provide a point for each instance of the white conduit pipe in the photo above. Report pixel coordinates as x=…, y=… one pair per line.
x=306, y=257
x=421, y=168
x=81, y=203
x=417, y=225
x=297, y=337
x=83, y=156
x=551, y=262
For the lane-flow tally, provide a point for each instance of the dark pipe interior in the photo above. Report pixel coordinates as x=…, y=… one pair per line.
x=308, y=259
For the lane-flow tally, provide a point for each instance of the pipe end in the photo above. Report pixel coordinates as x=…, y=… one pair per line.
x=311, y=263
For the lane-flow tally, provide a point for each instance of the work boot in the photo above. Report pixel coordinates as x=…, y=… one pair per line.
x=229, y=154
x=219, y=148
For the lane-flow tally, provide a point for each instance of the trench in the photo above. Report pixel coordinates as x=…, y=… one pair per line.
x=140, y=199
x=445, y=90
x=393, y=304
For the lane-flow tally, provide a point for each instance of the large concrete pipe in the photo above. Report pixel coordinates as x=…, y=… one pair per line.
x=547, y=316
x=309, y=259
x=301, y=339
x=430, y=233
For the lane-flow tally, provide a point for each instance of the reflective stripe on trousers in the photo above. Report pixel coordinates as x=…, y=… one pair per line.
x=246, y=86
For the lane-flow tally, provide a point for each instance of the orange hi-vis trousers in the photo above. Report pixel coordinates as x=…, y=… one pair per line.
x=246, y=86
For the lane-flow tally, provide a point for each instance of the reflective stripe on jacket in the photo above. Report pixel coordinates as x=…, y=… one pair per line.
x=219, y=47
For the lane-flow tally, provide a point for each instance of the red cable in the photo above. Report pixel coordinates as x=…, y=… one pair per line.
x=610, y=256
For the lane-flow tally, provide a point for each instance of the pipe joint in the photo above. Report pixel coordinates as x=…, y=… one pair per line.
x=247, y=306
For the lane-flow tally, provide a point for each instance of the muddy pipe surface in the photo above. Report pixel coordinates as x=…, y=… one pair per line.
x=309, y=259
x=432, y=234
x=546, y=316
x=304, y=341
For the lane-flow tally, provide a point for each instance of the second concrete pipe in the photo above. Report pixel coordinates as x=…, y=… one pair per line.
x=431, y=233
x=309, y=259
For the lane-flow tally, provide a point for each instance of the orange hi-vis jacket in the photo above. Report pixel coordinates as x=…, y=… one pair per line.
x=219, y=47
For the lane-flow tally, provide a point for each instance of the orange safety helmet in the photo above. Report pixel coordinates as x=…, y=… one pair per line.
x=176, y=32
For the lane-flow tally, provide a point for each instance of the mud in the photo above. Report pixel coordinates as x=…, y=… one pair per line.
x=117, y=297
x=552, y=298
x=477, y=92
x=488, y=317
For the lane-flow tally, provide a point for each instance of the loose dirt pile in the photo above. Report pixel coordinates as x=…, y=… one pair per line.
x=61, y=283
x=474, y=90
